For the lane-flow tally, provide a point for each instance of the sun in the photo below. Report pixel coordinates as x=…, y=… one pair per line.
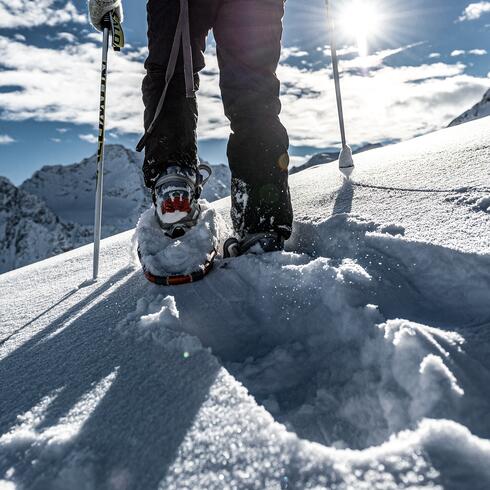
x=362, y=19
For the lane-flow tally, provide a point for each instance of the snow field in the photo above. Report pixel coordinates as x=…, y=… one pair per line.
x=303, y=335
x=358, y=359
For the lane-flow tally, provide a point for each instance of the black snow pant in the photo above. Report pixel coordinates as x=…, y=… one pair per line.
x=248, y=39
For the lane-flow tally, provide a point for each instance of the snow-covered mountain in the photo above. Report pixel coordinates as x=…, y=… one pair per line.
x=53, y=211
x=68, y=190
x=479, y=110
x=358, y=359
x=30, y=230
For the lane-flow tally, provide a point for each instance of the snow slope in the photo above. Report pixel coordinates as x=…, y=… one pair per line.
x=479, y=110
x=358, y=359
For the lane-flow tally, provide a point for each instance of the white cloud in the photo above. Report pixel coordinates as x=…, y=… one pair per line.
x=295, y=161
x=474, y=11
x=29, y=13
x=64, y=36
x=345, y=51
x=5, y=139
x=388, y=104
x=89, y=138
x=62, y=85
x=19, y=37
x=292, y=52
x=478, y=52
x=457, y=52
x=55, y=140
x=381, y=102
x=94, y=36
x=434, y=55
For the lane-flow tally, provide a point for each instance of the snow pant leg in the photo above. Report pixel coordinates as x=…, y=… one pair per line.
x=248, y=35
x=174, y=140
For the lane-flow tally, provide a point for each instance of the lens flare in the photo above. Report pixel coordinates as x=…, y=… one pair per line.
x=362, y=19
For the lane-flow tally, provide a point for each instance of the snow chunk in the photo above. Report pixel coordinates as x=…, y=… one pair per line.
x=157, y=318
x=433, y=367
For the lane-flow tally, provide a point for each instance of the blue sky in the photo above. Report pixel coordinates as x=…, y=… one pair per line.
x=427, y=63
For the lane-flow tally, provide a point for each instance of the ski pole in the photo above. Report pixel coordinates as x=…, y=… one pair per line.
x=106, y=23
x=346, y=162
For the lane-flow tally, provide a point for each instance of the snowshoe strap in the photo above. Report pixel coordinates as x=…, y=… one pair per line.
x=177, y=230
x=270, y=241
x=248, y=242
x=173, y=177
x=206, y=168
x=197, y=186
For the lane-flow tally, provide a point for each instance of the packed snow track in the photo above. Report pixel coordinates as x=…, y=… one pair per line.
x=357, y=359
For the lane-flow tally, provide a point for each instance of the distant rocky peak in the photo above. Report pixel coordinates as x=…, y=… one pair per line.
x=479, y=110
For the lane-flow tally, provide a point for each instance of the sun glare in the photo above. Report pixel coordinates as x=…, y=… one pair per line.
x=360, y=18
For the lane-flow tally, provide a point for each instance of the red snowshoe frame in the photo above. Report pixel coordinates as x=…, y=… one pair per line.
x=175, y=280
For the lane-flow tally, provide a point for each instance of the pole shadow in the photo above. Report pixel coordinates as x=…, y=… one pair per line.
x=133, y=434
x=343, y=201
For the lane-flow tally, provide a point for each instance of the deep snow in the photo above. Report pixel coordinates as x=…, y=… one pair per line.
x=358, y=359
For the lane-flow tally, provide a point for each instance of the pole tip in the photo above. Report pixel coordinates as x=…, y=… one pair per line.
x=346, y=162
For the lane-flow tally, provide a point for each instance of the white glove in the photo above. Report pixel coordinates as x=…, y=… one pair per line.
x=98, y=8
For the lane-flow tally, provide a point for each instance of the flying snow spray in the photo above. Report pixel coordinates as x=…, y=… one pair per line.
x=346, y=162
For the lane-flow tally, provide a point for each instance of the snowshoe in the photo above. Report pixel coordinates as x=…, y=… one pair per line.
x=255, y=243
x=178, y=238
x=176, y=198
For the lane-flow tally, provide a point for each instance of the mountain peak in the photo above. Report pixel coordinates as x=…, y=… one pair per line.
x=479, y=110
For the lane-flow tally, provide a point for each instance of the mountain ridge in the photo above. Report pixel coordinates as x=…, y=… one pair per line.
x=479, y=110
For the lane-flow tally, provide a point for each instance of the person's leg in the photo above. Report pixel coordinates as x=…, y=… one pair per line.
x=248, y=35
x=173, y=141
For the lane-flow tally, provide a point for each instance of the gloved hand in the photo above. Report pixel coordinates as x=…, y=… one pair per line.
x=98, y=8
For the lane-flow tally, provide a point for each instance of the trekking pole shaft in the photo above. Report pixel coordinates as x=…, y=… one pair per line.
x=336, y=76
x=100, y=154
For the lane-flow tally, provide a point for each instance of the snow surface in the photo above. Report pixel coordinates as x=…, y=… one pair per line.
x=357, y=359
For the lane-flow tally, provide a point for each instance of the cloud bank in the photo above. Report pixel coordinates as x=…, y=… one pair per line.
x=381, y=102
